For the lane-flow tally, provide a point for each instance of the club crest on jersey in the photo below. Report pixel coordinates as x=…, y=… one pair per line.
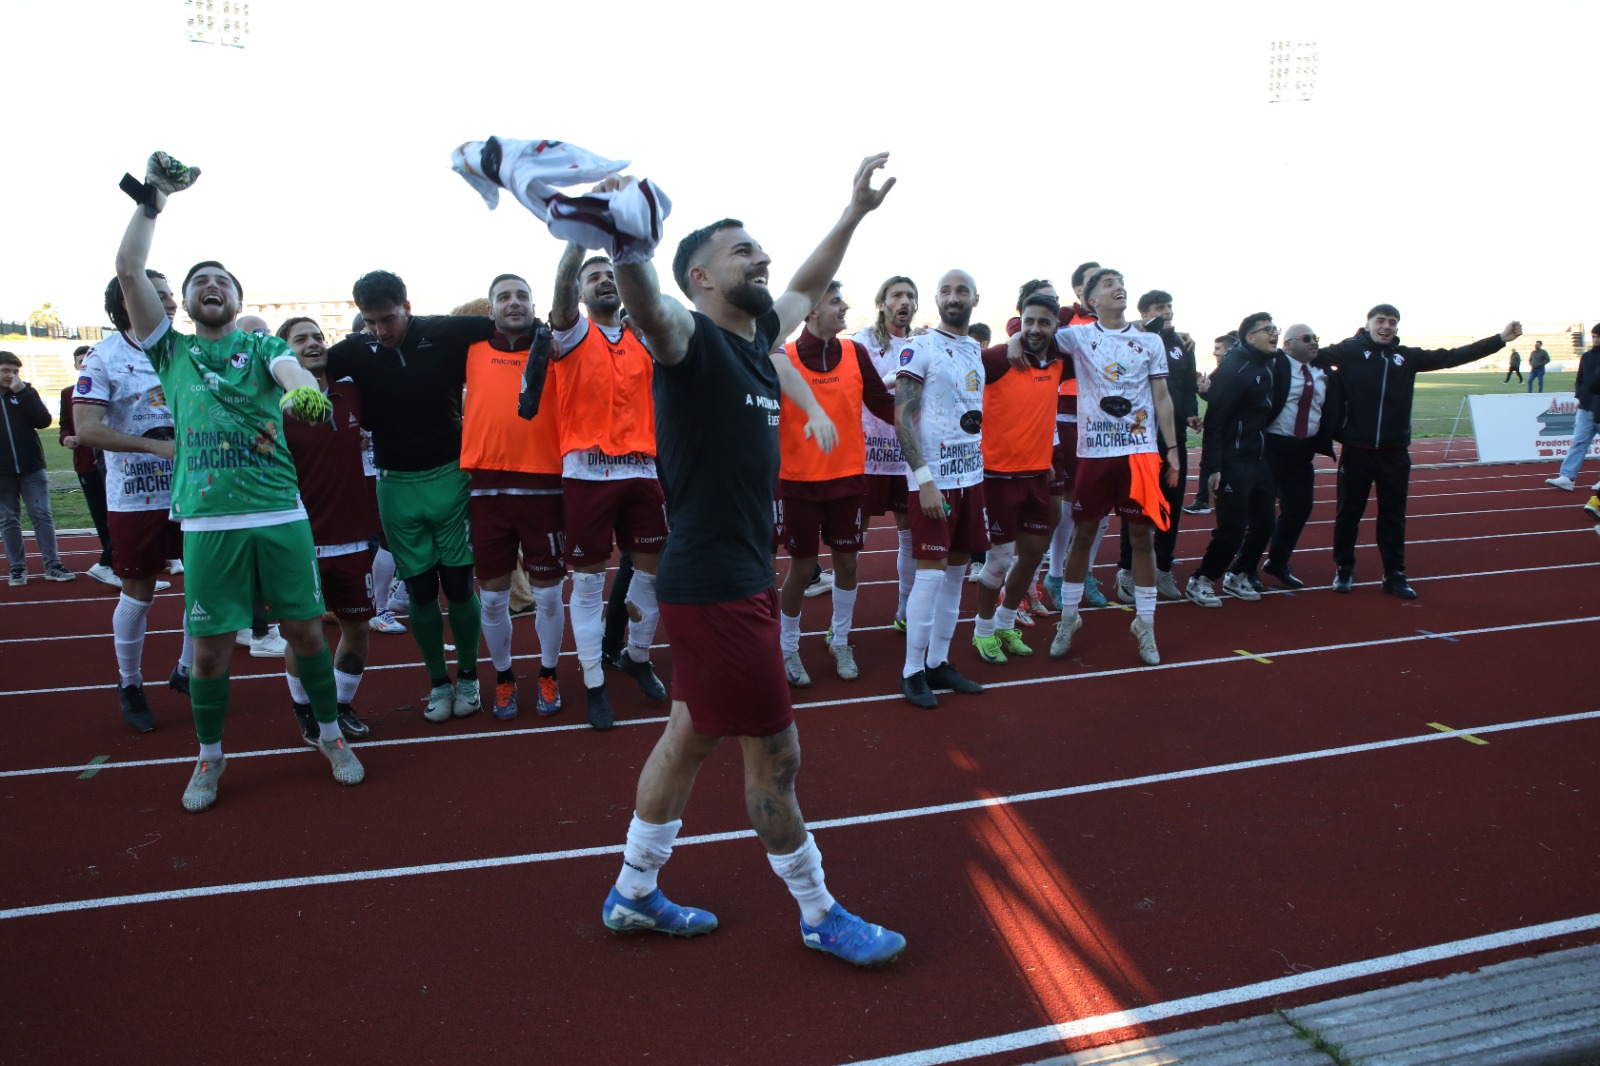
x=905, y=356
x=973, y=383
x=1114, y=371
x=84, y=385
x=1399, y=360
x=239, y=360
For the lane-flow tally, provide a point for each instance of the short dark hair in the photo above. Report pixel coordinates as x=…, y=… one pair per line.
x=1028, y=289
x=1251, y=321
x=691, y=245
x=378, y=288
x=980, y=332
x=10, y=359
x=1082, y=272
x=1383, y=309
x=117, y=307
x=507, y=277
x=1093, y=281
x=1595, y=330
x=1226, y=338
x=1154, y=296
x=591, y=261
x=1040, y=299
x=82, y=349
x=238, y=290
x=290, y=323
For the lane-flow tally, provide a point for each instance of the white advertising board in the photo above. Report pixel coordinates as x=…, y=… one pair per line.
x=1525, y=426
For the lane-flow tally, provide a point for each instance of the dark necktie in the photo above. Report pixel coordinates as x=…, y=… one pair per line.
x=1302, y=417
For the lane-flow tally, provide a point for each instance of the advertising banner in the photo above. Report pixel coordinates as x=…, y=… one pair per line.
x=1525, y=426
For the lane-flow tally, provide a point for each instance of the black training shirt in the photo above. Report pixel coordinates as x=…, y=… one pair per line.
x=411, y=396
x=717, y=456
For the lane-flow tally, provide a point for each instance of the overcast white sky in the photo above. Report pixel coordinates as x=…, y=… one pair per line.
x=1447, y=163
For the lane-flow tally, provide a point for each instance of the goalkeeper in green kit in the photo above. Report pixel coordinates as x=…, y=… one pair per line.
x=234, y=486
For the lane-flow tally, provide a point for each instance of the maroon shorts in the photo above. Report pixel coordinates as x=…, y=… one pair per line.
x=1064, y=460
x=885, y=493
x=965, y=529
x=733, y=688
x=1019, y=505
x=802, y=525
x=142, y=542
x=632, y=506
x=502, y=523
x=347, y=584
x=1105, y=487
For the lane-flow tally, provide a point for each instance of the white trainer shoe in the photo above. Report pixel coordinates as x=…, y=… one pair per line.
x=1560, y=482
x=1238, y=586
x=1200, y=591
x=104, y=574
x=1125, y=586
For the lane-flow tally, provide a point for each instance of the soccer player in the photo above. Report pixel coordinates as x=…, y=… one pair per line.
x=515, y=466
x=343, y=511
x=1066, y=458
x=1019, y=407
x=606, y=429
x=821, y=495
x=717, y=394
x=938, y=415
x=234, y=489
x=1181, y=386
x=1377, y=376
x=410, y=371
x=120, y=407
x=1233, y=463
x=1122, y=389
x=896, y=302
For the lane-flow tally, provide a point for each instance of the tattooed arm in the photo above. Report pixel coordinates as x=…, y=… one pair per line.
x=907, y=413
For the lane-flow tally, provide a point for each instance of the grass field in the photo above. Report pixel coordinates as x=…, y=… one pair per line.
x=1438, y=399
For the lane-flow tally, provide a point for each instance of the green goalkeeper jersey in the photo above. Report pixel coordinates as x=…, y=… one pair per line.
x=231, y=459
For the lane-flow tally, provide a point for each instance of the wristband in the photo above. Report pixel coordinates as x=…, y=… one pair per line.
x=141, y=193
x=922, y=475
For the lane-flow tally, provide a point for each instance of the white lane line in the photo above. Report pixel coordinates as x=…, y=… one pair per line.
x=853, y=628
x=1227, y=997
x=203, y=891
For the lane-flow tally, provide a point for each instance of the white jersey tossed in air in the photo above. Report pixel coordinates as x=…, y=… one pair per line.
x=1116, y=413
x=950, y=427
x=883, y=447
x=117, y=376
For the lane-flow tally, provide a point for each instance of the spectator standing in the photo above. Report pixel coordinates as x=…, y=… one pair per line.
x=90, y=466
x=22, y=474
x=1538, y=359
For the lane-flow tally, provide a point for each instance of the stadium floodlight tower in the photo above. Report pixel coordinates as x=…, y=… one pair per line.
x=223, y=22
x=1291, y=70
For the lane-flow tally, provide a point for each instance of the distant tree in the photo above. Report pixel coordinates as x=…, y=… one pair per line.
x=43, y=318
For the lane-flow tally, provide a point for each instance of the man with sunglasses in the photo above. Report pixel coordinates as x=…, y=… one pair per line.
x=1233, y=463
x=1377, y=377
x=1304, y=404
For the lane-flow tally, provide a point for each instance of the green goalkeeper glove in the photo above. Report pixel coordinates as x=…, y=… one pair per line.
x=306, y=403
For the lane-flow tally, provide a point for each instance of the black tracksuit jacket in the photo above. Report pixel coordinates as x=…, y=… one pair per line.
x=1376, y=383
x=1238, y=409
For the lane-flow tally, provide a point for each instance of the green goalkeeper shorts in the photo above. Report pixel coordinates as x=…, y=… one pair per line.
x=225, y=569
x=425, y=517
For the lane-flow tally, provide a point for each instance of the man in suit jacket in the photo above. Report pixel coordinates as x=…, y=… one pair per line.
x=1304, y=406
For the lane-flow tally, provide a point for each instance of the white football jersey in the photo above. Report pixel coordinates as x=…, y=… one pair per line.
x=1116, y=413
x=950, y=428
x=117, y=376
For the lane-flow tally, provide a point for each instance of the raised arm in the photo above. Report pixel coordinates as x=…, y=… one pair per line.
x=1444, y=358
x=664, y=323
x=564, y=305
x=144, y=306
x=810, y=282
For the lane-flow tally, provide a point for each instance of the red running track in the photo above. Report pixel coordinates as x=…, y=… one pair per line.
x=1083, y=838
